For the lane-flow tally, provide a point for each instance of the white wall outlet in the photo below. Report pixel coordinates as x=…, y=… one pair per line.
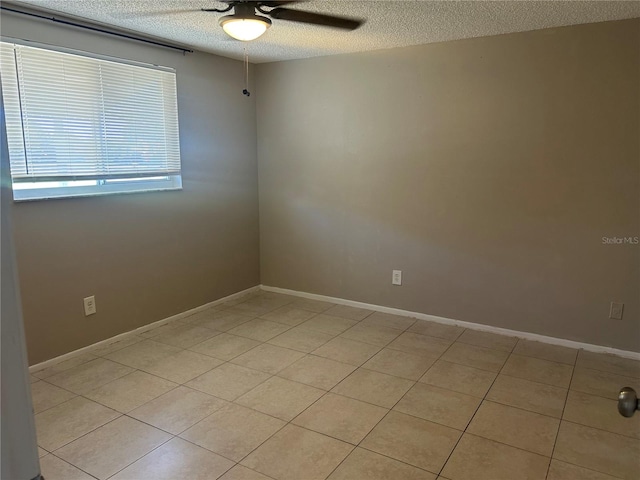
x=396, y=277
x=89, y=306
x=616, y=310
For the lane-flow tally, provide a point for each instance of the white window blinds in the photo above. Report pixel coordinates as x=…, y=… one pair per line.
x=74, y=118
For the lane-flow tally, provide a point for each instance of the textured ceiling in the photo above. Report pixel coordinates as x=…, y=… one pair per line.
x=389, y=23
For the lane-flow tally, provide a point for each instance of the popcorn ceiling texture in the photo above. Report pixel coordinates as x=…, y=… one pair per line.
x=389, y=23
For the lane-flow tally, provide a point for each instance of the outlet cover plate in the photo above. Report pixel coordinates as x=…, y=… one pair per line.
x=89, y=305
x=616, y=311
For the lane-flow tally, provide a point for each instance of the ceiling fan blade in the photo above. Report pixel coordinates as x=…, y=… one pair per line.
x=315, y=18
x=277, y=4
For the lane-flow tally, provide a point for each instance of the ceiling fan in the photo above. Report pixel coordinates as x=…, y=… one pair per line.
x=246, y=24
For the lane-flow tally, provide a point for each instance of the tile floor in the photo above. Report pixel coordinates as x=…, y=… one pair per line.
x=277, y=387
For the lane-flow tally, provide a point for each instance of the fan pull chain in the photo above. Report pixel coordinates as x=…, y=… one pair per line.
x=246, y=74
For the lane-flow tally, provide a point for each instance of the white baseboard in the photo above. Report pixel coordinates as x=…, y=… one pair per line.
x=49, y=363
x=448, y=321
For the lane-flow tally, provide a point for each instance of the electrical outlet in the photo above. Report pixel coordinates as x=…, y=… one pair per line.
x=89, y=306
x=396, y=277
x=616, y=310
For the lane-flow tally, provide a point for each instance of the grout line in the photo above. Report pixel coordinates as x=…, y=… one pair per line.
x=392, y=409
x=69, y=463
x=247, y=293
x=150, y=451
x=564, y=407
x=85, y=434
x=472, y=416
x=330, y=391
x=521, y=409
x=448, y=321
x=508, y=445
x=637, y=440
x=586, y=468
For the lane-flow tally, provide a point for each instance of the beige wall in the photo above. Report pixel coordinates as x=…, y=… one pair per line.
x=145, y=256
x=488, y=170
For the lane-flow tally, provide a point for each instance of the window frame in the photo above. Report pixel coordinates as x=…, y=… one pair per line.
x=107, y=186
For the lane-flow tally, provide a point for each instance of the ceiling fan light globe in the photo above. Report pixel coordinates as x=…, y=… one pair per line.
x=244, y=29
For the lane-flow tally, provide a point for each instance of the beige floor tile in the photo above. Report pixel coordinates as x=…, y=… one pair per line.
x=90, y=375
x=327, y=324
x=243, y=473
x=112, y=447
x=33, y=379
x=268, y=358
x=420, y=344
x=142, y=353
x=374, y=335
x=233, y=431
x=280, y=398
x=177, y=459
x=512, y=426
x=44, y=396
x=224, y=321
x=316, y=306
x=225, y=346
x=64, y=423
x=228, y=381
x=439, y=330
x=340, y=417
x=609, y=363
x=373, y=387
x=362, y=464
x=389, y=320
x=438, y=405
x=185, y=336
x=183, y=366
x=351, y=313
x=459, y=378
x=399, y=364
x=488, y=340
x=260, y=330
x=536, y=370
x=528, y=395
x=347, y=351
x=412, y=440
x=129, y=392
x=251, y=309
x=268, y=300
x=42, y=452
x=255, y=307
x=477, y=458
x=598, y=450
x=53, y=468
x=295, y=453
x=602, y=413
x=477, y=357
x=284, y=298
x=65, y=365
x=603, y=384
x=565, y=471
x=318, y=372
x=289, y=315
x=178, y=409
x=115, y=346
x=301, y=340
x=545, y=351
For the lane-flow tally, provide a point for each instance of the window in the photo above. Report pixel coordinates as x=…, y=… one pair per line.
x=87, y=125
